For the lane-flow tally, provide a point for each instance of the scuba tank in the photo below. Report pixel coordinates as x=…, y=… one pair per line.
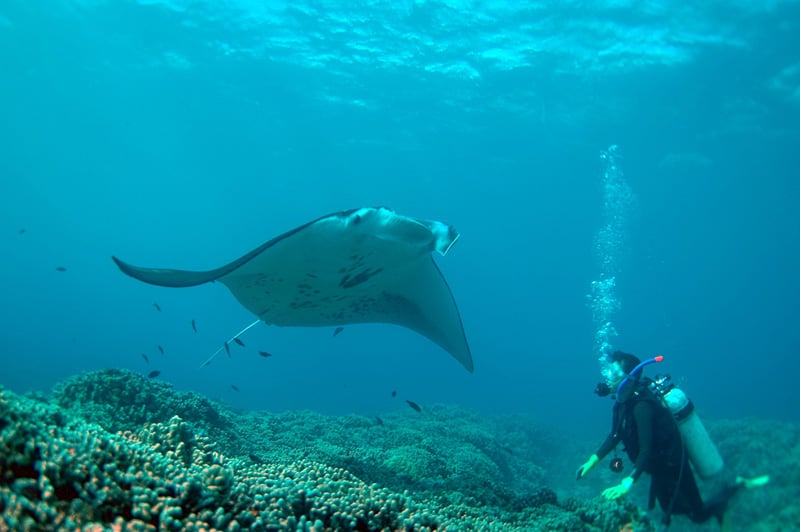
x=703, y=454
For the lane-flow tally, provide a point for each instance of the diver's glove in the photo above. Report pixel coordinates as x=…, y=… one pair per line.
x=619, y=490
x=585, y=468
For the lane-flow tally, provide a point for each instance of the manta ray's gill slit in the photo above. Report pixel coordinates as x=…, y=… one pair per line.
x=298, y=305
x=307, y=301
x=336, y=316
x=362, y=305
x=397, y=303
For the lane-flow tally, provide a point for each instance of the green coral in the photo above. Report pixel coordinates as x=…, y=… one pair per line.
x=118, y=399
x=444, y=470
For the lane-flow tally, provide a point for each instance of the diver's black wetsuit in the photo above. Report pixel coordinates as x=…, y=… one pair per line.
x=653, y=442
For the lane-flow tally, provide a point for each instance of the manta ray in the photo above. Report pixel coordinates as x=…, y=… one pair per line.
x=367, y=265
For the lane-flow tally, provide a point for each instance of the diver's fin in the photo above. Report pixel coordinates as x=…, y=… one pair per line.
x=741, y=483
x=753, y=482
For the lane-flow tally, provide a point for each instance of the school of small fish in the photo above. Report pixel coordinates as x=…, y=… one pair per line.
x=265, y=354
x=238, y=341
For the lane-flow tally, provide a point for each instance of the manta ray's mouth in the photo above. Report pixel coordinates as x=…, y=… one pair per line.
x=368, y=265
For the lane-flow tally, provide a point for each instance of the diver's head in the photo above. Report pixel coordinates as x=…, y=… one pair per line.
x=621, y=366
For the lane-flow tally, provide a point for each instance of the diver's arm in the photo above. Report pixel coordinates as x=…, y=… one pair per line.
x=604, y=449
x=644, y=414
x=613, y=438
x=610, y=442
x=607, y=446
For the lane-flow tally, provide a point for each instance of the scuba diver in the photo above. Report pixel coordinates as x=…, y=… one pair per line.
x=662, y=435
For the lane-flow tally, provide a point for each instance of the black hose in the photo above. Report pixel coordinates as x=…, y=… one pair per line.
x=668, y=516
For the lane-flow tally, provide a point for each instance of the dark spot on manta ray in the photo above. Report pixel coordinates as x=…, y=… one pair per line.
x=362, y=277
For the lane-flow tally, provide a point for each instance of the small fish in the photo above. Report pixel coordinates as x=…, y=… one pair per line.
x=194, y=326
x=206, y=363
x=235, y=339
x=160, y=349
x=414, y=405
x=61, y=269
x=394, y=394
x=146, y=358
x=235, y=389
x=228, y=349
x=153, y=374
x=379, y=421
x=157, y=307
x=22, y=231
x=264, y=354
x=255, y=458
x=337, y=330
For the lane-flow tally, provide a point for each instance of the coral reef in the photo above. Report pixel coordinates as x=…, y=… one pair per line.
x=112, y=450
x=61, y=469
x=446, y=449
x=118, y=400
x=753, y=447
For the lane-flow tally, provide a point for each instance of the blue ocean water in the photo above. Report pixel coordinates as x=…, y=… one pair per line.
x=182, y=134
